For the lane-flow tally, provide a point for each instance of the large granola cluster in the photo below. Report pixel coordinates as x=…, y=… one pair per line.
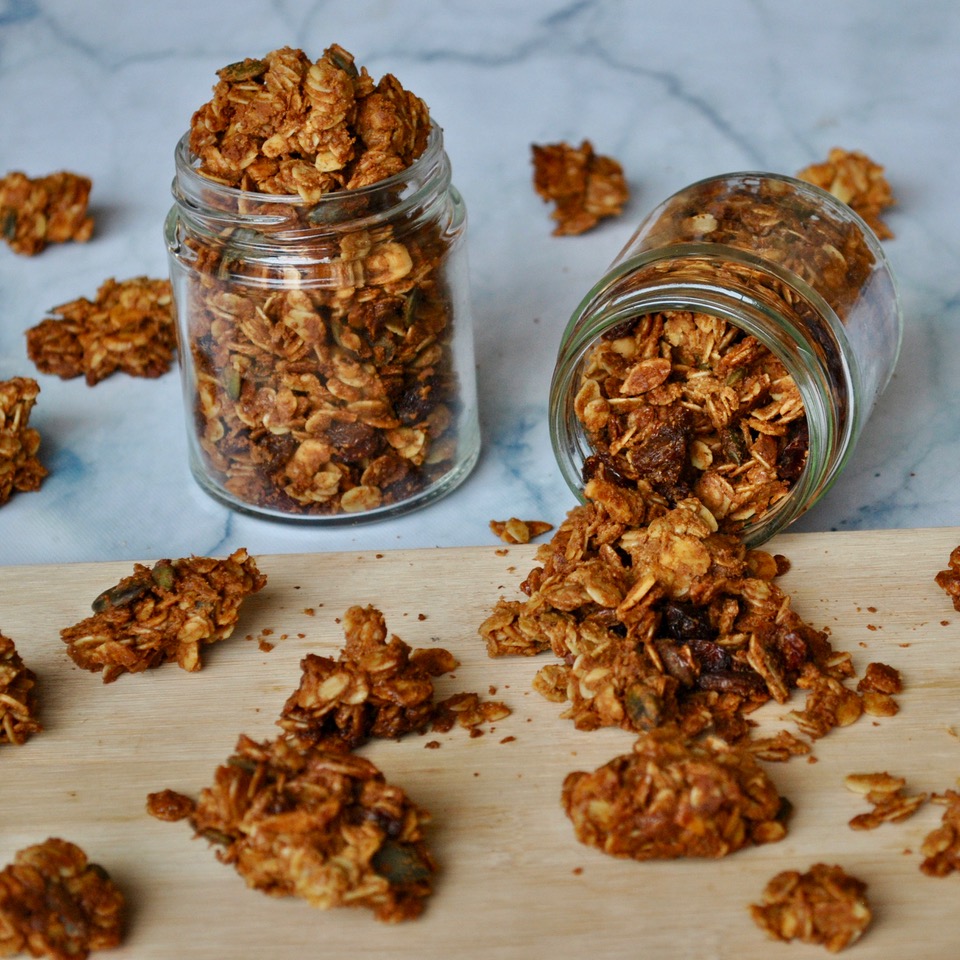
x=38, y=211
x=297, y=820
x=128, y=327
x=162, y=613
x=672, y=797
x=18, y=696
x=20, y=469
x=55, y=903
x=285, y=124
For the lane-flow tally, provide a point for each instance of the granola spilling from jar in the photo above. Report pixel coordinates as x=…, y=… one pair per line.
x=167, y=612
x=18, y=696
x=672, y=797
x=20, y=468
x=55, y=903
x=294, y=819
x=325, y=372
x=38, y=211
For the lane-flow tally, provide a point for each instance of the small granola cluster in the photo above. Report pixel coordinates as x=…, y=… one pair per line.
x=852, y=177
x=55, y=903
x=941, y=847
x=885, y=794
x=519, y=531
x=285, y=124
x=584, y=186
x=673, y=797
x=167, y=612
x=824, y=906
x=949, y=579
x=20, y=469
x=18, y=696
x=128, y=327
x=38, y=211
x=378, y=687
x=294, y=819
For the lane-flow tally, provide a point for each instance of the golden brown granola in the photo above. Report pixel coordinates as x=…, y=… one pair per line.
x=18, y=696
x=519, y=531
x=825, y=905
x=852, y=177
x=294, y=819
x=941, y=846
x=161, y=613
x=885, y=793
x=55, y=903
x=584, y=186
x=675, y=797
x=20, y=469
x=949, y=579
x=37, y=211
x=128, y=327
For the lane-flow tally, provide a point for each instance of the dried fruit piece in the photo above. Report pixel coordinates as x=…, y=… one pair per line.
x=584, y=186
x=55, y=903
x=674, y=797
x=129, y=327
x=18, y=696
x=51, y=209
x=167, y=612
x=519, y=531
x=296, y=820
x=949, y=579
x=824, y=905
x=19, y=467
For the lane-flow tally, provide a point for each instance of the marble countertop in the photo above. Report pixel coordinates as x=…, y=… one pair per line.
x=675, y=92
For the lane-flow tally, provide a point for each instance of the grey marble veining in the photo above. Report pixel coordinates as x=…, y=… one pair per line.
x=674, y=91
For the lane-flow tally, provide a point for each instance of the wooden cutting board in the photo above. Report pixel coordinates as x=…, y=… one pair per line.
x=514, y=882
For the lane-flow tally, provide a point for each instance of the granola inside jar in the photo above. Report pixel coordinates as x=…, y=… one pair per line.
x=325, y=338
x=732, y=352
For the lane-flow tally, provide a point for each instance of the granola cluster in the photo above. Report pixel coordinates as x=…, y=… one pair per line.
x=128, y=327
x=18, y=696
x=941, y=846
x=852, y=177
x=885, y=794
x=949, y=579
x=824, y=905
x=584, y=186
x=519, y=531
x=38, y=211
x=55, y=903
x=295, y=819
x=378, y=687
x=20, y=469
x=167, y=612
x=672, y=797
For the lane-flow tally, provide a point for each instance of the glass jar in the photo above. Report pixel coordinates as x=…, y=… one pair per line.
x=733, y=352
x=326, y=346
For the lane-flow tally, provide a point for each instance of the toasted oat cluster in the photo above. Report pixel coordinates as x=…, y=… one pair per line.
x=885, y=793
x=18, y=696
x=294, y=819
x=162, y=613
x=128, y=327
x=55, y=903
x=949, y=579
x=378, y=687
x=38, y=211
x=519, y=531
x=941, y=846
x=877, y=688
x=20, y=469
x=824, y=905
x=852, y=177
x=583, y=186
x=285, y=124
x=675, y=797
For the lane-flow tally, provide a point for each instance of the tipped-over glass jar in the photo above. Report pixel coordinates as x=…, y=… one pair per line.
x=732, y=353
x=326, y=347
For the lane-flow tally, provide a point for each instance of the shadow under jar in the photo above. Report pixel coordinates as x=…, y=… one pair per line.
x=326, y=347
x=732, y=353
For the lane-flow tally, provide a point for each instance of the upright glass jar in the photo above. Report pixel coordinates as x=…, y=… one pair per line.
x=732, y=352
x=326, y=347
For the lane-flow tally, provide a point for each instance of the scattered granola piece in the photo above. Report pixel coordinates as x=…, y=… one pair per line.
x=18, y=696
x=468, y=711
x=519, y=531
x=19, y=467
x=37, y=211
x=823, y=906
x=949, y=580
x=674, y=797
x=296, y=820
x=55, y=903
x=170, y=805
x=778, y=748
x=129, y=327
x=584, y=186
x=167, y=612
x=853, y=178
x=941, y=846
x=885, y=793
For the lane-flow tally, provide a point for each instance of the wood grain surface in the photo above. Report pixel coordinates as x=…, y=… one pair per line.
x=514, y=882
